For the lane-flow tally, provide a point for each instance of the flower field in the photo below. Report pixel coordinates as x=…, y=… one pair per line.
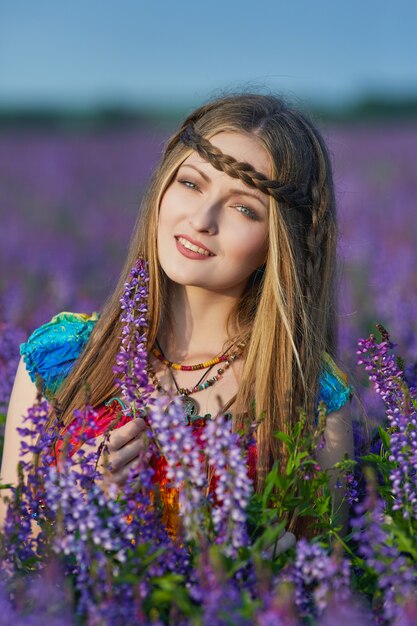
x=68, y=206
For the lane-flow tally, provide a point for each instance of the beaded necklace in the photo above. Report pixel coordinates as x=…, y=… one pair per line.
x=190, y=405
x=186, y=368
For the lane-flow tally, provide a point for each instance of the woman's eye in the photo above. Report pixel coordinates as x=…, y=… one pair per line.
x=247, y=211
x=188, y=182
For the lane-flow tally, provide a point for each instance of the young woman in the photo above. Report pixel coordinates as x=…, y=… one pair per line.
x=238, y=226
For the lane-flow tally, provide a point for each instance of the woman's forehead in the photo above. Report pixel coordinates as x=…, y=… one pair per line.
x=242, y=147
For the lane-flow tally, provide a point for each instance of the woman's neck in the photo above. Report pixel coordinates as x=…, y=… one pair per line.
x=199, y=318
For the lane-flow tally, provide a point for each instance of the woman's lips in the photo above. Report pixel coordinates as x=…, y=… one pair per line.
x=190, y=254
x=193, y=242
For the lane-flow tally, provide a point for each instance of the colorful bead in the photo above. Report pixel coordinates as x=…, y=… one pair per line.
x=187, y=391
x=187, y=368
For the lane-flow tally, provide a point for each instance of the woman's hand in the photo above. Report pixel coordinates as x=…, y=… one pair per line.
x=123, y=449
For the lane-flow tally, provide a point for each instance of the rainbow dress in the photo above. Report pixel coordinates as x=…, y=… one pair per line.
x=51, y=351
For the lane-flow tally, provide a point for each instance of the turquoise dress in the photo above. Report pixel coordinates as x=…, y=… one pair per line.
x=52, y=349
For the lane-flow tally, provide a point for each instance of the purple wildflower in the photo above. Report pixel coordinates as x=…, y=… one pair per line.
x=131, y=360
x=24, y=498
x=411, y=374
x=98, y=533
x=351, y=488
x=318, y=577
x=39, y=601
x=278, y=609
x=233, y=488
x=401, y=411
x=395, y=575
x=178, y=446
x=102, y=526
x=221, y=600
x=347, y=612
x=10, y=338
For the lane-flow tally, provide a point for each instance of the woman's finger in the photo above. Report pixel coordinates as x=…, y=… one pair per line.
x=119, y=437
x=117, y=459
x=120, y=476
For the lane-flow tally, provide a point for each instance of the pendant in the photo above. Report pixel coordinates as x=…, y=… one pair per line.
x=190, y=406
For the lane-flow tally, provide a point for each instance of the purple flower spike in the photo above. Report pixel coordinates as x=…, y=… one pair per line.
x=401, y=410
x=346, y=613
x=318, y=577
x=396, y=576
x=177, y=444
x=234, y=487
x=351, y=489
x=131, y=360
x=10, y=338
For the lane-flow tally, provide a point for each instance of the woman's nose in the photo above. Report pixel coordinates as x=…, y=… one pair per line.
x=205, y=217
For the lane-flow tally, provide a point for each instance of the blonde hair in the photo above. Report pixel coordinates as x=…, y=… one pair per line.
x=294, y=292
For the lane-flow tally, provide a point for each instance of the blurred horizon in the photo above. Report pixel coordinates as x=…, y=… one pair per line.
x=162, y=60
x=370, y=110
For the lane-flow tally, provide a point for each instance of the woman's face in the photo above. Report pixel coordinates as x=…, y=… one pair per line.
x=209, y=210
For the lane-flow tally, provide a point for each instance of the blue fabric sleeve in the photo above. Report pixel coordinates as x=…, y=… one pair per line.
x=52, y=349
x=334, y=389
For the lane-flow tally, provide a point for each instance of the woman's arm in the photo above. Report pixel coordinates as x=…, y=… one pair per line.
x=23, y=396
x=339, y=440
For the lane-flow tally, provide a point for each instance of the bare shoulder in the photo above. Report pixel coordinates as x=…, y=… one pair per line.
x=338, y=436
x=22, y=397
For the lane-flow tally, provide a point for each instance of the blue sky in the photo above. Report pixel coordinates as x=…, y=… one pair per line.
x=87, y=52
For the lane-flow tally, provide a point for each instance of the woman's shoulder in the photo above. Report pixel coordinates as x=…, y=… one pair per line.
x=51, y=350
x=334, y=388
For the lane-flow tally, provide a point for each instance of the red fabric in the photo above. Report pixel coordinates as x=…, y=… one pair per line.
x=106, y=414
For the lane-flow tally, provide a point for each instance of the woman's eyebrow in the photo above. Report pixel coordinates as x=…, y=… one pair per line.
x=257, y=196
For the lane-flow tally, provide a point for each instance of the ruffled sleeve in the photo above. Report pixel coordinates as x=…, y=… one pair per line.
x=52, y=349
x=334, y=389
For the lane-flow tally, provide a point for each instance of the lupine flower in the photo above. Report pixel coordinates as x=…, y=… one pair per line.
x=317, y=577
x=131, y=360
x=24, y=498
x=389, y=383
x=278, y=608
x=101, y=527
x=346, y=612
x=185, y=470
x=95, y=531
x=351, y=488
x=233, y=488
x=395, y=575
x=10, y=338
x=221, y=599
x=35, y=605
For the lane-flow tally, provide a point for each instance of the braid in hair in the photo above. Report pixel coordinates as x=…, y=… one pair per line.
x=191, y=119
x=320, y=230
x=315, y=238
x=283, y=192
x=321, y=235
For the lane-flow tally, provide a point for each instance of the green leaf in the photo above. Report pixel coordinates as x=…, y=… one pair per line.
x=373, y=458
x=284, y=437
x=404, y=542
x=385, y=438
